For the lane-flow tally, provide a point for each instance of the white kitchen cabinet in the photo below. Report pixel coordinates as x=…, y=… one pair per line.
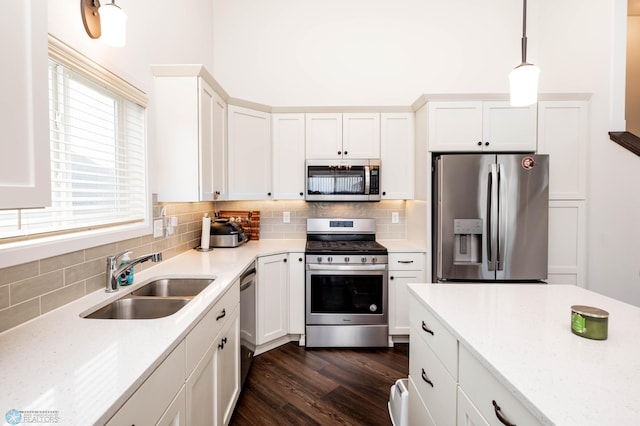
x=249, y=154
x=468, y=414
x=288, y=156
x=296, y=293
x=481, y=126
x=404, y=269
x=156, y=395
x=273, y=298
x=190, y=128
x=342, y=136
x=25, y=178
x=397, y=153
x=567, y=243
x=213, y=387
x=176, y=414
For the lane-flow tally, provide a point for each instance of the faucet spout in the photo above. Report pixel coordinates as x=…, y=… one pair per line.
x=113, y=270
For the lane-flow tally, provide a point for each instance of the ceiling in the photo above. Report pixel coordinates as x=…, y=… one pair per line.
x=633, y=8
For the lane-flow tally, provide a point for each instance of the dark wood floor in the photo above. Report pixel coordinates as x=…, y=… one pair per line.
x=292, y=385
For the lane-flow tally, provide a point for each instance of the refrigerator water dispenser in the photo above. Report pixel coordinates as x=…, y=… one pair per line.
x=467, y=244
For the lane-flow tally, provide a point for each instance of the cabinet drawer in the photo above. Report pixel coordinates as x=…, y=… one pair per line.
x=435, y=385
x=199, y=339
x=406, y=261
x=418, y=412
x=483, y=388
x=426, y=327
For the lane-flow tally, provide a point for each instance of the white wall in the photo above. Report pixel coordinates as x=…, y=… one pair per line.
x=378, y=52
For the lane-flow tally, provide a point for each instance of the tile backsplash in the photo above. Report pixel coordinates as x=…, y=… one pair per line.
x=35, y=288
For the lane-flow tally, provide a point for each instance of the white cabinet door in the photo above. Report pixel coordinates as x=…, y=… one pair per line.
x=567, y=243
x=563, y=133
x=468, y=414
x=323, y=136
x=397, y=153
x=481, y=126
x=189, y=123
x=228, y=369
x=296, y=293
x=201, y=390
x=360, y=135
x=273, y=300
x=507, y=128
x=24, y=118
x=288, y=156
x=399, y=299
x=455, y=126
x=249, y=146
x=176, y=414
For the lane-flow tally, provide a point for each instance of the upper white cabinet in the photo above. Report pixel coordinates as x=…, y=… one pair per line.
x=190, y=134
x=249, y=146
x=481, y=126
x=342, y=136
x=397, y=153
x=288, y=156
x=24, y=118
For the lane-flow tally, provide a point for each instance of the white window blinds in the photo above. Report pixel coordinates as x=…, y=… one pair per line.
x=98, y=161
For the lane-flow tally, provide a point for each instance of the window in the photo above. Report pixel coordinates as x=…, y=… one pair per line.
x=97, y=147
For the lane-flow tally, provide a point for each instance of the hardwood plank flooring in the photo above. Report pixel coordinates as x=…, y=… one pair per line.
x=291, y=385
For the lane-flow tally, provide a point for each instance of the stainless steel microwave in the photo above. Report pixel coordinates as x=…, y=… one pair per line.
x=343, y=180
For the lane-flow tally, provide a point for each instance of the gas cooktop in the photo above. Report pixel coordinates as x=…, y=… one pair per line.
x=346, y=247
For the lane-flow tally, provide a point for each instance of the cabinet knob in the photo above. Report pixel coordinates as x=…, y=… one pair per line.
x=345, y=153
x=269, y=194
x=301, y=194
x=479, y=143
x=299, y=259
x=285, y=260
x=384, y=192
x=339, y=152
x=486, y=144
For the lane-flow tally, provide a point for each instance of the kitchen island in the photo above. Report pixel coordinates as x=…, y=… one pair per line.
x=520, y=336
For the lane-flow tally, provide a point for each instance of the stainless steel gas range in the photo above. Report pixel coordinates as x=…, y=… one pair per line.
x=346, y=284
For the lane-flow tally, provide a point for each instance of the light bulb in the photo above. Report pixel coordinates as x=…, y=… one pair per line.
x=113, y=21
x=523, y=84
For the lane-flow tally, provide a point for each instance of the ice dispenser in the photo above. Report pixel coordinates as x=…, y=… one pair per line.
x=468, y=241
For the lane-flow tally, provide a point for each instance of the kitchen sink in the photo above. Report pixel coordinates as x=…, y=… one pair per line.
x=139, y=308
x=173, y=287
x=157, y=299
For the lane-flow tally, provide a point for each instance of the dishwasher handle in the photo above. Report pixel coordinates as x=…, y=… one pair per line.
x=247, y=278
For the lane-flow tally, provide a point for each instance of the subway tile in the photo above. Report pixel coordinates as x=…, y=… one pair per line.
x=18, y=272
x=94, y=283
x=5, y=300
x=17, y=314
x=84, y=270
x=127, y=245
x=101, y=251
x=60, y=262
x=36, y=286
x=62, y=296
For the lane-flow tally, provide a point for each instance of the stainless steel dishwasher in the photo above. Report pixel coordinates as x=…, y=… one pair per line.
x=247, y=320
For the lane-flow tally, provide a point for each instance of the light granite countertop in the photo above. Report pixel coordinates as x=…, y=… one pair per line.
x=522, y=334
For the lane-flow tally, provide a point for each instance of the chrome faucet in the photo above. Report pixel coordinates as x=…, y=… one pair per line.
x=113, y=271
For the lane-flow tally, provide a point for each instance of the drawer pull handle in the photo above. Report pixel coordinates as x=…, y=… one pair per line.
x=223, y=341
x=425, y=378
x=424, y=327
x=499, y=415
x=405, y=261
x=224, y=314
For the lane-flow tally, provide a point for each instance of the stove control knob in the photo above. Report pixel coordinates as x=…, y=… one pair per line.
x=364, y=259
x=374, y=260
x=346, y=259
x=319, y=259
x=330, y=259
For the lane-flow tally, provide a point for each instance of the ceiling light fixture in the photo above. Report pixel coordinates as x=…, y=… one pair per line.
x=523, y=80
x=107, y=22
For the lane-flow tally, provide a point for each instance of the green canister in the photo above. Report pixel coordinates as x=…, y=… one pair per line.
x=589, y=322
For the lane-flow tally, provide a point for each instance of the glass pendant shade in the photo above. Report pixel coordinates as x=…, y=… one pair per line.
x=523, y=84
x=113, y=21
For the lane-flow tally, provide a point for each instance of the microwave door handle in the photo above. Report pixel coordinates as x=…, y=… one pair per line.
x=367, y=179
x=502, y=211
x=492, y=226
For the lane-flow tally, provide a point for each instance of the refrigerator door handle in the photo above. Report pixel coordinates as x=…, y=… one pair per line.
x=492, y=218
x=502, y=203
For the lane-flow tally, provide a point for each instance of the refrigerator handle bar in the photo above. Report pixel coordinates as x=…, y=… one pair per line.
x=503, y=202
x=492, y=218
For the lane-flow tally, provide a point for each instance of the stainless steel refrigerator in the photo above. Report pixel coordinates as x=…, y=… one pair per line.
x=490, y=217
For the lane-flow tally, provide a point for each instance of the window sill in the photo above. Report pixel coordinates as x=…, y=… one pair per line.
x=627, y=140
x=27, y=251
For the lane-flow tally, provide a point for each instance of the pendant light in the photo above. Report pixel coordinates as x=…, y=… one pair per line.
x=107, y=22
x=523, y=80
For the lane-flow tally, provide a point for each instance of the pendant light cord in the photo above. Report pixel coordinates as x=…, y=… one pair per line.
x=524, y=32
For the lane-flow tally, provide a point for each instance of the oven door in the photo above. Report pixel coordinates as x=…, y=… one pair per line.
x=346, y=295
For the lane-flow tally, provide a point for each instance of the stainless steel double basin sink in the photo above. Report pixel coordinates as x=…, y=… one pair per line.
x=156, y=299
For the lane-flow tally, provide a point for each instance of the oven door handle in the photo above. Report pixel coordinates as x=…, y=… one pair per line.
x=330, y=267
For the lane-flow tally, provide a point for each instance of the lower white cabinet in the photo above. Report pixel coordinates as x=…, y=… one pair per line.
x=273, y=297
x=296, y=293
x=176, y=414
x=404, y=269
x=147, y=405
x=468, y=414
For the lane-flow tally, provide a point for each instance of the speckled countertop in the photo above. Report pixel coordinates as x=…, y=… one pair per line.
x=522, y=334
x=85, y=369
